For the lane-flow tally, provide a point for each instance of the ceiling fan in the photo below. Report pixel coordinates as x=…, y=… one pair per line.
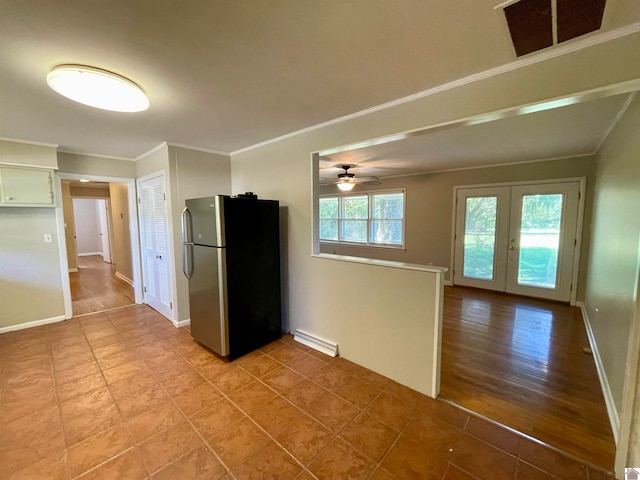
x=345, y=181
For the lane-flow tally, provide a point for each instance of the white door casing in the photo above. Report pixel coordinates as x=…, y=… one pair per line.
x=104, y=229
x=510, y=268
x=155, y=246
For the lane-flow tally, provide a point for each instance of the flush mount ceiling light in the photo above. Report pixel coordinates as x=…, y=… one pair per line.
x=97, y=88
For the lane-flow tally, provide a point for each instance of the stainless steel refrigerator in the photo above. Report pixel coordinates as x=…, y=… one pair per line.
x=231, y=256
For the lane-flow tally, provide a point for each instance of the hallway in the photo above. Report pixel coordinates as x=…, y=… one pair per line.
x=95, y=287
x=520, y=361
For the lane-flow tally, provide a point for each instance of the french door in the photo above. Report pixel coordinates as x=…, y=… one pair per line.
x=155, y=246
x=519, y=239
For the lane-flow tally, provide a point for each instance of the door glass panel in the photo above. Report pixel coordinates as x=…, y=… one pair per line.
x=540, y=240
x=480, y=237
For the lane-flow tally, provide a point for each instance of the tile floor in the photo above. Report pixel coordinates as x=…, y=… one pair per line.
x=125, y=395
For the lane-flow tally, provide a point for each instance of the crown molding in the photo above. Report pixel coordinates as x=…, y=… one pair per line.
x=97, y=155
x=28, y=142
x=153, y=150
x=616, y=120
x=197, y=149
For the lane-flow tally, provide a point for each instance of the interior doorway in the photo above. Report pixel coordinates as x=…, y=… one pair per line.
x=92, y=226
x=99, y=245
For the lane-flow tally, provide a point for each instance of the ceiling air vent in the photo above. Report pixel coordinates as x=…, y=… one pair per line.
x=538, y=24
x=577, y=17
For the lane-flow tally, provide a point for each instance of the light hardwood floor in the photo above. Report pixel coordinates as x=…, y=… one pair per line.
x=95, y=287
x=520, y=362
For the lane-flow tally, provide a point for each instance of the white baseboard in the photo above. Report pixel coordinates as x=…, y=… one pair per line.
x=126, y=279
x=614, y=419
x=89, y=253
x=317, y=343
x=73, y=270
x=448, y=283
x=35, y=323
x=182, y=323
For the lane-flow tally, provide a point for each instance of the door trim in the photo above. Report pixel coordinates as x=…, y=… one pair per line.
x=133, y=231
x=579, y=225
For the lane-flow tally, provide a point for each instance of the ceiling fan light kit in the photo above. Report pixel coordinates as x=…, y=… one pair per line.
x=97, y=88
x=346, y=186
x=346, y=181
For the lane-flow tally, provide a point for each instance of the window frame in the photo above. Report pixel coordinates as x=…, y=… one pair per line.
x=369, y=194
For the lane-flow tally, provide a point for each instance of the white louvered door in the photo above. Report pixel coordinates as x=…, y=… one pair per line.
x=155, y=247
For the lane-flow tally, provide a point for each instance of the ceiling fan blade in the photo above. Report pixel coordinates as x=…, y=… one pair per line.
x=328, y=181
x=368, y=179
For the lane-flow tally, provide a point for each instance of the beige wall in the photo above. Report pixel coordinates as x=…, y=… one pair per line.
x=193, y=174
x=156, y=161
x=30, y=277
x=121, y=247
x=610, y=297
x=93, y=165
x=390, y=328
x=282, y=170
x=28, y=155
x=429, y=208
x=69, y=227
x=89, y=192
x=188, y=174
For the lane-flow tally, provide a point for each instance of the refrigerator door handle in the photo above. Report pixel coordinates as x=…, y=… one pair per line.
x=187, y=243
x=187, y=227
x=187, y=259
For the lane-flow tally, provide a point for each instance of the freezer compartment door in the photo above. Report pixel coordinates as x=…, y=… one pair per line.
x=205, y=221
x=207, y=299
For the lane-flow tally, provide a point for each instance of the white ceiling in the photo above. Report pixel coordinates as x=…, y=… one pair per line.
x=223, y=75
x=569, y=131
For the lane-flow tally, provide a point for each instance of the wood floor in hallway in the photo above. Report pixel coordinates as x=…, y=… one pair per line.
x=520, y=362
x=95, y=287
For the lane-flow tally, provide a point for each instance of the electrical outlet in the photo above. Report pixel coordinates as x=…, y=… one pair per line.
x=48, y=238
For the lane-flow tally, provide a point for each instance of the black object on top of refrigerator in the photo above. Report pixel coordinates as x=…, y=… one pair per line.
x=231, y=256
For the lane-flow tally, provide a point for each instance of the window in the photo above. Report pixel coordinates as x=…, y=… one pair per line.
x=329, y=218
x=353, y=221
x=375, y=218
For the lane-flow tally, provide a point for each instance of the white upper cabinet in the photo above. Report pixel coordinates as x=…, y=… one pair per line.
x=25, y=187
